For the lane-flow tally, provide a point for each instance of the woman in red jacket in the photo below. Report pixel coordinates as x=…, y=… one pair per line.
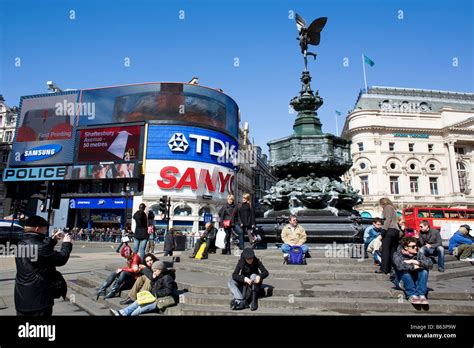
x=125, y=277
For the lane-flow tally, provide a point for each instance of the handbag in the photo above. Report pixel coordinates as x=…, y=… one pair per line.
x=164, y=302
x=220, y=238
x=226, y=223
x=200, y=251
x=145, y=297
x=59, y=285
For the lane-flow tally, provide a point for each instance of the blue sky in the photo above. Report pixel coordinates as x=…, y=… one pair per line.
x=416, y=51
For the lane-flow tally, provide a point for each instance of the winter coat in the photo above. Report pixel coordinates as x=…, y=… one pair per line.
x=457, y=239
x=370, y=234
x=243, y=269
x=246, y=215
x=228, y=212
x=209, y=234
x=169, y=242
x=35, y=276
x=391, y=218
x=432, y=237
x=132, y=265
x=399, y=257
x=164, y=284
x=296, y=237
x=141, y=227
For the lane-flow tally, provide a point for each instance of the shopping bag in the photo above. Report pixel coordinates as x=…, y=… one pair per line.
x=145, y=297
x=200, y=251
x=220, y=238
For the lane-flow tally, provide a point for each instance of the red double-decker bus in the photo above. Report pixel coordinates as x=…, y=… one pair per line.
x=438, y=217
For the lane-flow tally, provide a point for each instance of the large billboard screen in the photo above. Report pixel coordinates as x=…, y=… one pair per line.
x=170, y=102
x=187, y=179
x=191, y=144
x=45, y=130
x=109, y=144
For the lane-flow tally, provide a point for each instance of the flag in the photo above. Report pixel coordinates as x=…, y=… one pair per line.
x=338, y=113
x=369, y=61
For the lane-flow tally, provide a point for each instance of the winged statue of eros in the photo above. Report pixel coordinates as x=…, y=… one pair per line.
x=309, y=35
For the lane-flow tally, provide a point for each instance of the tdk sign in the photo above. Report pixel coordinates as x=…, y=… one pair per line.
x=40, y=152
x=191, y=144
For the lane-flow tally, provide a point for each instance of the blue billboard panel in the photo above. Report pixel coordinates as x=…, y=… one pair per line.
x=191, y=144
x=170, y=102
x=100, y=203
x=45, y=130
x=34, y=173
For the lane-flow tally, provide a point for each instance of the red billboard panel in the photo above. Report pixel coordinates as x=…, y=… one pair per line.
x=109, y=144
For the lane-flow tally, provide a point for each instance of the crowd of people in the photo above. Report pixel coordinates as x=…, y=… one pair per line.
x=408, y=255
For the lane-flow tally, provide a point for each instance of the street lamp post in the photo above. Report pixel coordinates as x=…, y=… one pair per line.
x=127, y=192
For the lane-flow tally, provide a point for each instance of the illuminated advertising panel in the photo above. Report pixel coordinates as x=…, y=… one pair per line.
x=45, y=130
x=109, y=144
x=170, y=102
x=187, y=179
x=103, y=171
x=190, y=144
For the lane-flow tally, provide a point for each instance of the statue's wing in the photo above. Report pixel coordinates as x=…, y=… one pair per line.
x=300, y=22
x=314, y=30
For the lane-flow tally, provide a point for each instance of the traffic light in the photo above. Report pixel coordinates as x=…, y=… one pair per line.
x=163, y=209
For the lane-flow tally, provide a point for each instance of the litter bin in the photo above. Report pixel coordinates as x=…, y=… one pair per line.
x=180, y=242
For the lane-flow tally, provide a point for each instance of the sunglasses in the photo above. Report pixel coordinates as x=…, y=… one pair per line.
x=412, y=246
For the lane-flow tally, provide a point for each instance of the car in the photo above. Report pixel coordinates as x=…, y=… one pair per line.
x=8, y=234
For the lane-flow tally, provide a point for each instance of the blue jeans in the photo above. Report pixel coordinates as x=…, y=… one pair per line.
x=439, y=251
x=415, y=282
x=285, y=248
x=139, y=246
x=136, y=309
x=236, y=288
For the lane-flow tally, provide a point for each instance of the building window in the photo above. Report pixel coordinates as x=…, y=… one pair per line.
x=413, y=184
x=364, y=184
x=434, y=186
x=361, y=146
x=391, y=146
x=459, y=150
x=411, y=146
x=430, y=147
x=394, y=185
x=432, y=167
x=462, y=175
x=8, y=137
x=393, y=166
x=363, y=166
x=5, y=156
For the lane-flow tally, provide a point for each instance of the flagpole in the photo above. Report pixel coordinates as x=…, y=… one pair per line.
x=365, y=77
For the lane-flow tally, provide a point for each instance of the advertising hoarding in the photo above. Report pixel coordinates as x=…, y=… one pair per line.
x=99, y=203
x=109, y=144
x=173, y=102
x=190, y=144
x=103, y=171
x=187, y=179
x=45, y=130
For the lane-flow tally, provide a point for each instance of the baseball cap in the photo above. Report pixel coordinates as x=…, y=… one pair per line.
x=467, y=227
x=36, y=221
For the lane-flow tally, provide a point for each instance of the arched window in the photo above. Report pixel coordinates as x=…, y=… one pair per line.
x=183, y=210
x=462, y=175
x=365, y=214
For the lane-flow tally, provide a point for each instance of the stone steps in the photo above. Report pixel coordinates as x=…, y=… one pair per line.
x=350, y=305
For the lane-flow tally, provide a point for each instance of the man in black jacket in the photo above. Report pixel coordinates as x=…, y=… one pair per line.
x=36, y=278
x=431, y=243
x=209, y=237
x=247, y=279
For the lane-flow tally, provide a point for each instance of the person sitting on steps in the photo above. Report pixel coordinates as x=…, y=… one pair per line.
x=143, y=282
x=246, y=282
x=293, y=234
x=461, y=244
x=431, y=243
x=412, y=268
x=124, y=277
x=209, y=237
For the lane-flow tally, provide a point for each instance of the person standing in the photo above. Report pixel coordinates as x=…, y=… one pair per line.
x=390, y=236
x=36, y=276
x=141, y=231
x=227, y=219
x=245, y=220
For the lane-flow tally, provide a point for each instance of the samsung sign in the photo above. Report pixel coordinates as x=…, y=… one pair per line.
x=191, y=144
x=40, y=152
x=34, y=173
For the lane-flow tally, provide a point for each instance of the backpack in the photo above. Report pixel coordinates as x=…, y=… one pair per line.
x=296, y=256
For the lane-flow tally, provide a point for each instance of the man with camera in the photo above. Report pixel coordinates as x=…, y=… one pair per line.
x=37, y=282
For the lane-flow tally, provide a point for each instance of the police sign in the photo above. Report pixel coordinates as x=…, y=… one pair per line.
x=34, y=174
